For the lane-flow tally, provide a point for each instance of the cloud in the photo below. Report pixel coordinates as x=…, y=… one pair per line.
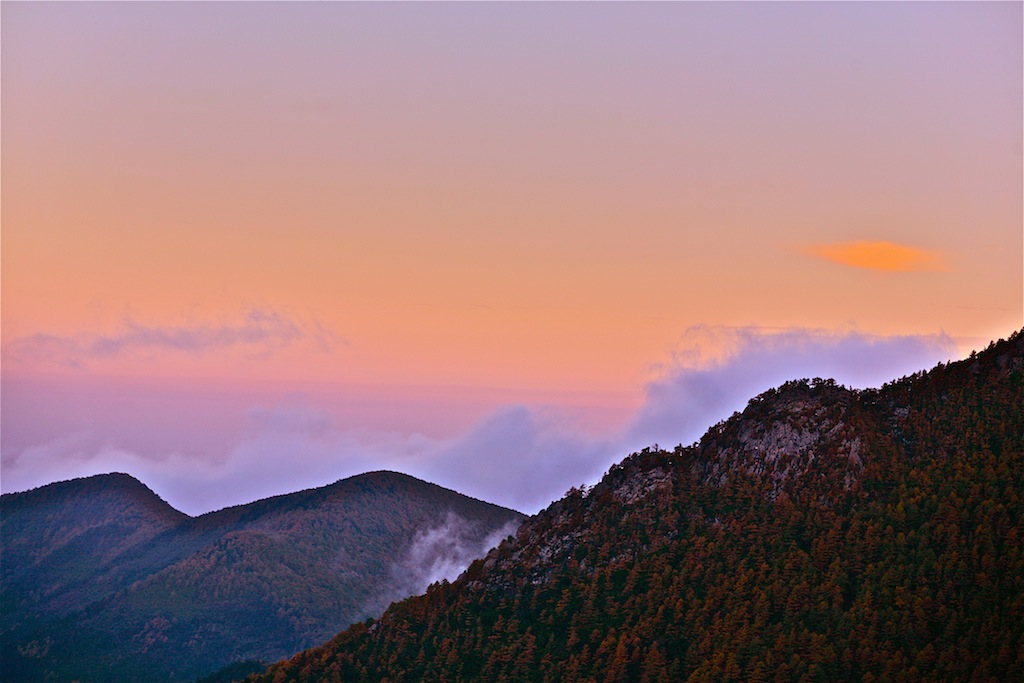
x=260, y=330
x=521, y=457
x=716, y=370
x=437, y=553
x=518, y=457
x=86, y=454
x=443, y=552
x=885, y=256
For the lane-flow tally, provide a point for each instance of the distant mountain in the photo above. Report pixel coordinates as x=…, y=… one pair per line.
x=822, y=534
x=104, y=581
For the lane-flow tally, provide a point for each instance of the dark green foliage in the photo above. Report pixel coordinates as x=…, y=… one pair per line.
x=104, y=581
x=235, y=672
x=821, y=535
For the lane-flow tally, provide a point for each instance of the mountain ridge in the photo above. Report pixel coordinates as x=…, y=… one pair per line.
x=821, y=534
x=103, y=569
x=130, y=483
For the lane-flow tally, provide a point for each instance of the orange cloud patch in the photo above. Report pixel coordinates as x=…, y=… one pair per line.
x=879, y=256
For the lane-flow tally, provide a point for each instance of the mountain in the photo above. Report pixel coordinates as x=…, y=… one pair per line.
x=822, y=534
x=102, y=580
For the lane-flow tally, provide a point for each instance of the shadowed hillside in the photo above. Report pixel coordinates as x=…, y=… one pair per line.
x=822, y=534
x=104, y=581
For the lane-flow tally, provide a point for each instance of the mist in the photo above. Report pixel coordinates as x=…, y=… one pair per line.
x=443, y=552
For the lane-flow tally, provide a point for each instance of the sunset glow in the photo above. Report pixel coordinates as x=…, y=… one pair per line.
x=369, y=234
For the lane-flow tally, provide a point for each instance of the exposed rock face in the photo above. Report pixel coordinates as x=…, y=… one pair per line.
x=805, y=422
x=803, y=429
x=642, y=485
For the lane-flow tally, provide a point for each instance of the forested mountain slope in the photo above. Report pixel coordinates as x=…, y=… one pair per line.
x=821, y=535
x=103, y=581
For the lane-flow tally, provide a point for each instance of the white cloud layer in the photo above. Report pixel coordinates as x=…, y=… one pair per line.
x=521, y=457
x=717, y=370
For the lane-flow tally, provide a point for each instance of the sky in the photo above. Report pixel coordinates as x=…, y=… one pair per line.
x=249, y=248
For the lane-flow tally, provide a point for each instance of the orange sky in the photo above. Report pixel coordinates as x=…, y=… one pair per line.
x=536, y=199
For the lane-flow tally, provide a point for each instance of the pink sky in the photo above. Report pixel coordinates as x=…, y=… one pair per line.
x=442, y=237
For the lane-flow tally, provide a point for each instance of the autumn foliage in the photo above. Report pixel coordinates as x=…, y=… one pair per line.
x=821, y=535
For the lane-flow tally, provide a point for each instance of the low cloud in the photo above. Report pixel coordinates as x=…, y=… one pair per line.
x=716, y=370
x=521, y=457
x=444, y=552
x=884, y=256
x=259, y=330
x=437, y=553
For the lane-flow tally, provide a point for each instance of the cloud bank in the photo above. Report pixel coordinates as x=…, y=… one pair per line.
x=716, y=370
x=519, y=456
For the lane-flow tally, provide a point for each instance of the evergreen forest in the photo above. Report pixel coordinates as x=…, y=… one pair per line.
x=822, y=534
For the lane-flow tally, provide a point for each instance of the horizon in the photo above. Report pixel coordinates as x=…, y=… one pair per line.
x=251, y=249
x=247, y=503
x=620, y=457
x=389, y=471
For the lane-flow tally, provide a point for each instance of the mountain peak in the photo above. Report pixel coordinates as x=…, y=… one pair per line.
x=786, y=433
x=102, y=491
x=821, y=534
x=126, y=590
